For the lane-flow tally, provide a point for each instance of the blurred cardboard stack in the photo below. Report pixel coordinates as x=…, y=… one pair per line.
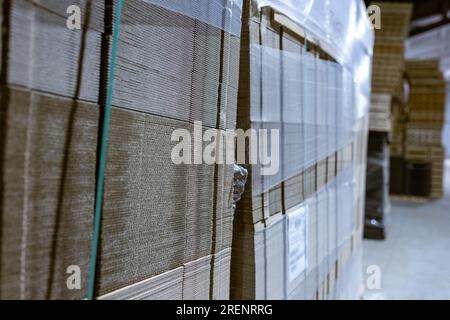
x=173, y=71
x=426, y=98
x=417, y=154
x=166, y=228
x=388, y=70
x=388, y=61
x=426, y=114
x=388, y=57
x=297, y=231
x=380, y=113
x=387, y=76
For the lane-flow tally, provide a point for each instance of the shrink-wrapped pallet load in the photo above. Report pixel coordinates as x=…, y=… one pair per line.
x=298, y=229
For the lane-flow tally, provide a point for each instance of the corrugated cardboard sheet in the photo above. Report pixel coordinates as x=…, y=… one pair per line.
x=166, y=229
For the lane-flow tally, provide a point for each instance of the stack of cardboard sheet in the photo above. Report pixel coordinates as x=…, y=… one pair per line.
x=388, y=57
x=166, y=229
x=427, y=97
x=425, y=121
x=399, y=118
x=173, y=67
x=387, y=79
x=297, y=231
x=388, y=62
x=44, y=55
x=50, y=87
x=186, y=63
x=380, y=113
x=48, y=193
x=426, y=116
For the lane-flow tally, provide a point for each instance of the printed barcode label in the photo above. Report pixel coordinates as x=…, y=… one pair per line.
x=298, y=238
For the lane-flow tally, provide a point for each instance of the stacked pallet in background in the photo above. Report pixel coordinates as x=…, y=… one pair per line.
x=166, y=229
x=388, y=56
x=426, y=99
x=418, y=135
x=380, y=118
x=387, y=75
x=426, y=116
x=434, y=44
x=388, y=70
x=388, y=62
x=297, y=233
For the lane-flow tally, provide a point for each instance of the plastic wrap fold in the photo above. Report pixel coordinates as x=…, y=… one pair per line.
x=240, y=178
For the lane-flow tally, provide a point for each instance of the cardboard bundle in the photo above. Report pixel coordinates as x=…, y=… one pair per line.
x=166, y=228
x=296, y=231
x=388, y=57
x=166, y=207
x=48, y=189
x=143, y=196
x=421, y=129
x=423, y=133
x=427, y=92
x=166, y=286
x=194, y=73
x=426, y=118
x=44, y=55
x=189, y=64
x=380, y=113
x=50, y=87
x=190, y=281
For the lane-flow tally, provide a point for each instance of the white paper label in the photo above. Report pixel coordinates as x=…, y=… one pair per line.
x=298, y=238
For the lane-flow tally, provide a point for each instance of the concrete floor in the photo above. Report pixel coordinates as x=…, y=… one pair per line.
x=414, y=260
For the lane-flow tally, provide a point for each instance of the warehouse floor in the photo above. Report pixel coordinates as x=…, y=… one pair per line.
x=414, y=260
